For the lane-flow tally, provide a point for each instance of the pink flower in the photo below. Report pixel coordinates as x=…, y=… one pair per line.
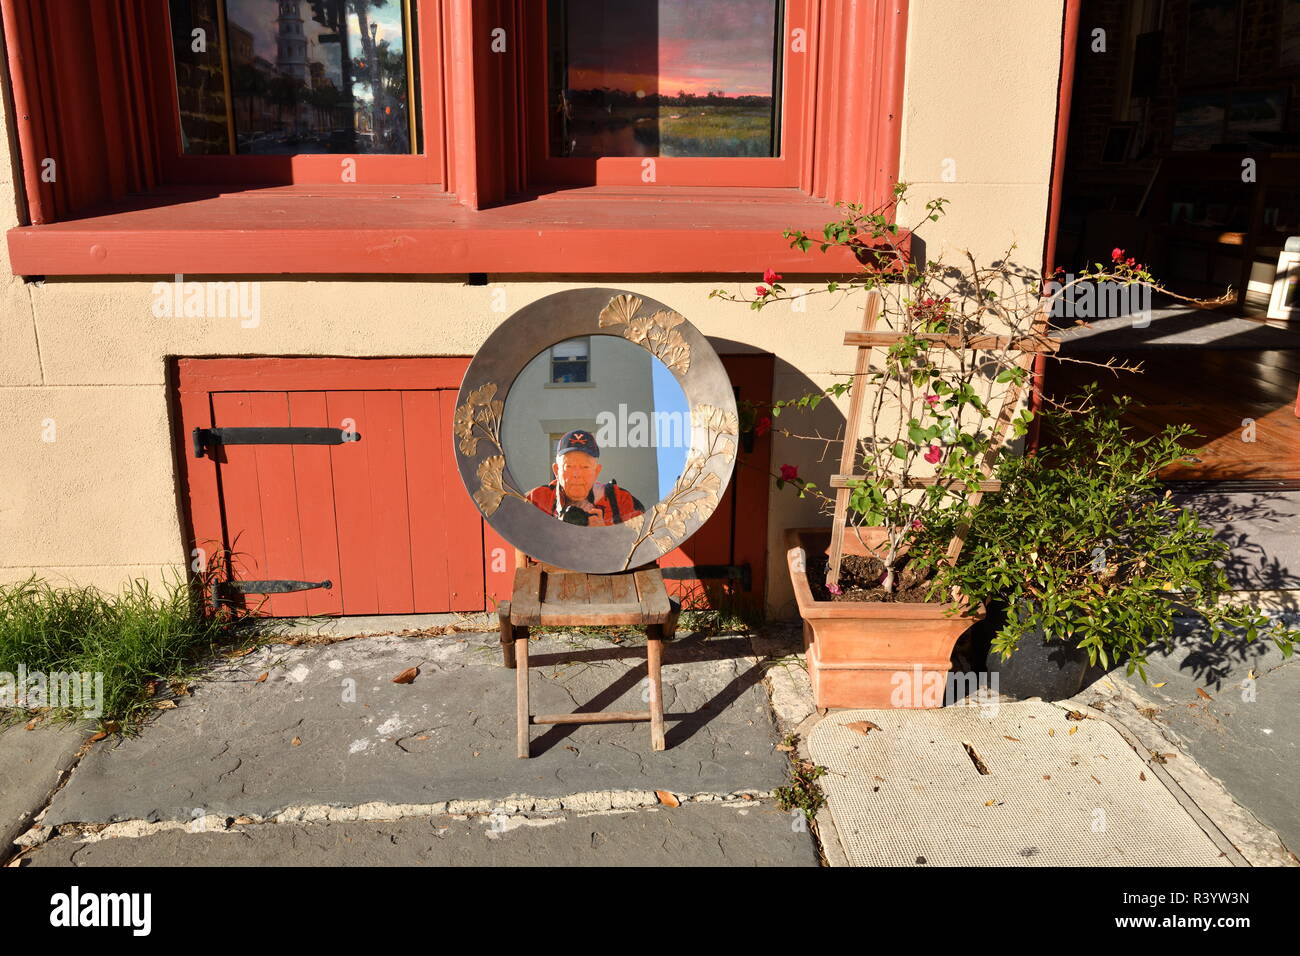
x=934, y=455
x=834, y=589
x=762, y=426
x=1117, y=253
x=762, y=290
x=789, y=472
x=771, y=276
x=933, y=400
x=916, y=524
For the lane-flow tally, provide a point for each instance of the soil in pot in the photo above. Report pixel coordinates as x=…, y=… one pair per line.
x=860, y=579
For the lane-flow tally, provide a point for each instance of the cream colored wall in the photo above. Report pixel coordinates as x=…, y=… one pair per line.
x=98, y=504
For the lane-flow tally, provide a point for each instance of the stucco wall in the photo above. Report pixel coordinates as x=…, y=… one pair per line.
x=98, y=504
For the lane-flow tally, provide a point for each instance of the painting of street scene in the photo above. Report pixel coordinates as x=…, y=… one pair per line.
x=672, y=78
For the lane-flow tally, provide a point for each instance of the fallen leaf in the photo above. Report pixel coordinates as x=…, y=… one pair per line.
x=1051, y=731
x=1161, y=684
x=407, y=676
x=989, y=803
x=1094, y=778
x=296, y=742
x=244, y=653
x=1250, y=674
x=785, y=748
x=165, y=705
x=180, y=690
x=1141, y=775
x=1149, y=712
x=667, y=799
x=262, y=678
x=1203, y=694
x=1072, y=730
x=1012, y=739
x=1047, y=776
x=99, y=736
x=31, y=724
x=243, y=821
x=112, y=726
x=747, y=796
x=422, y=737
x=880, y=779
x=1075, y=715
x=863, y=727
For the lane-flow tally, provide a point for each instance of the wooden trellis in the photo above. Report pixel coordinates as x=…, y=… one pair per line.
x=1025, y=347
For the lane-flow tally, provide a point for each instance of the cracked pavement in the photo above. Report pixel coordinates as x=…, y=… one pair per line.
x=327, y=760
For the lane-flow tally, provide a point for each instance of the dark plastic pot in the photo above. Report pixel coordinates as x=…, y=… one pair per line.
x=1039, y=667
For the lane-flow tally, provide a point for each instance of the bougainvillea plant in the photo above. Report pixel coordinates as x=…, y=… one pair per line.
x=929, y=416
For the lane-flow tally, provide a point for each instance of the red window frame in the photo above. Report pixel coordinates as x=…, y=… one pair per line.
x=88, y=78
x=411, y=169
x=780, y=170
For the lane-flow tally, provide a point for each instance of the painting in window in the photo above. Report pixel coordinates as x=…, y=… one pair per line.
x=664, y=78
x=571, y=362
x=284, y=77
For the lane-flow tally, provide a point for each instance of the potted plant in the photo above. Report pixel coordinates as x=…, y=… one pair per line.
x=1088, y=555
x=879, y=633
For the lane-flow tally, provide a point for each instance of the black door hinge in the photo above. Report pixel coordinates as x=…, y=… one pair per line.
x=207, y=439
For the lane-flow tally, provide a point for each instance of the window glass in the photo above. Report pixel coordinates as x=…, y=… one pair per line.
x=283, y=77
x=665, y=78
x=571, y=362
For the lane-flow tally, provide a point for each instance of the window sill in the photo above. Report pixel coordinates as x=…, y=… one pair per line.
x=350, y=230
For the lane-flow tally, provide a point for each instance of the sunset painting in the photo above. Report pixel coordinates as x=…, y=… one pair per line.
x=672, y=78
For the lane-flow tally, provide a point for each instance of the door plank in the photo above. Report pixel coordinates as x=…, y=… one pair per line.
x=462, y=525
x=277, y=494
x=391, y=522
x=317, y=520
x=350, y=471
x=425, y=476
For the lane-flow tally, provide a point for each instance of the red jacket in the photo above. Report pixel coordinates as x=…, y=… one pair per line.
x=623, y=507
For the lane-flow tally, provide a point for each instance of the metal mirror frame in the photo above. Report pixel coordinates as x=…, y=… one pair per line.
x=664, y=333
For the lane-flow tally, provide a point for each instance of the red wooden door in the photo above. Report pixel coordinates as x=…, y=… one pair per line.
x=385, y=519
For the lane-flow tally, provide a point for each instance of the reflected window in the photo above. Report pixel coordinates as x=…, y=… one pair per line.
x=571, y=362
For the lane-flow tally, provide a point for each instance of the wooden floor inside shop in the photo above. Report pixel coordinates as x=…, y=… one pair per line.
x=1214, y=391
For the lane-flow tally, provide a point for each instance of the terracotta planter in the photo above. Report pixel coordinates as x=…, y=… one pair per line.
x=871, y=655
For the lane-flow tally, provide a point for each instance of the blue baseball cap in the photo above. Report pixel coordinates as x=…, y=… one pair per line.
x=578, y=440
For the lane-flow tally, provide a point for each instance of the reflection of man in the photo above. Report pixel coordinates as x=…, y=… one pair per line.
x=575, y=496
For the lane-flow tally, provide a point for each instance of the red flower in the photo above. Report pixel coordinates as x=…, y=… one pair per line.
x=916, y=524
x=789, y=472
x=1130, y=261
x=762, y=426
x=762, y=290
x=771, y=276
x=934, y=455
x=933, y=400
x=1117, y=253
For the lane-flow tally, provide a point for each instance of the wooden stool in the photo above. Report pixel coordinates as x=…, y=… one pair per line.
x=546, y=597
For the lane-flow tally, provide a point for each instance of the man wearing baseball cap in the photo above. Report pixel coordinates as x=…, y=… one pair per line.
x=575, y=496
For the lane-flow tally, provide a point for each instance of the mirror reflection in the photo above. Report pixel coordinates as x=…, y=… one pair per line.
x=597, y=429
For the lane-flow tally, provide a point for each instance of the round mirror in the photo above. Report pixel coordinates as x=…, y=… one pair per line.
x=596, y=430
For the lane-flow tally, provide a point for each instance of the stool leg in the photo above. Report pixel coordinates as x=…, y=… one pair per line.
x=507, y=637
x=521, y=690
x=654, y=657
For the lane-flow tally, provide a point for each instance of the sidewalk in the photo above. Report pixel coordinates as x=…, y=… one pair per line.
x=326, y=761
